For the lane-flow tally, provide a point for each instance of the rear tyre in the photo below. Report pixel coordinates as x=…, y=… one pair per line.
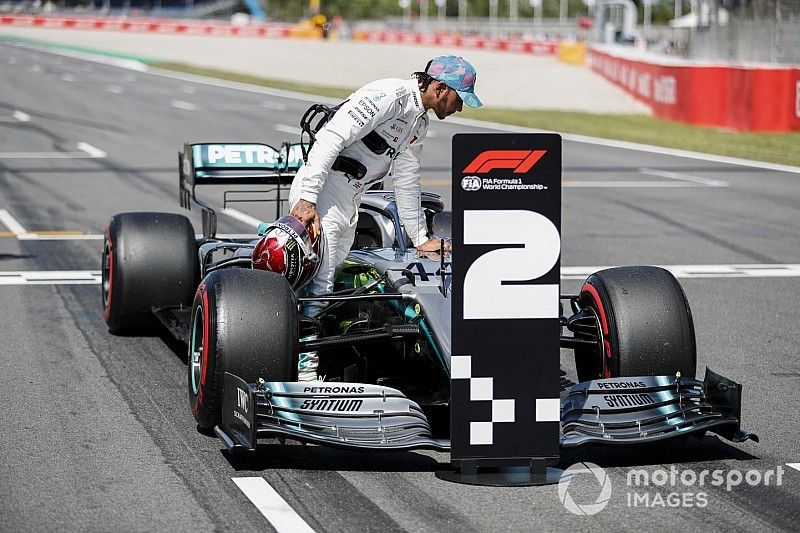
x=646, y=324
x=244, y=322
x=149, y=260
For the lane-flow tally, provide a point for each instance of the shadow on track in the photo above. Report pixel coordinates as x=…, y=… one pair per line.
x=709, y=448
x=271, y=455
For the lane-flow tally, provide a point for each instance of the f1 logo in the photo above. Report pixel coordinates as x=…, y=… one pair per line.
x=520, y=160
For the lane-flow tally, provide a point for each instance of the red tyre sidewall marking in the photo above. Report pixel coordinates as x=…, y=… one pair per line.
x=206, y=335
x=603, y=322
x=110, y=271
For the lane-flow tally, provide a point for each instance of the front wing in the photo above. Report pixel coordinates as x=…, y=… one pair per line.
x=356, y=415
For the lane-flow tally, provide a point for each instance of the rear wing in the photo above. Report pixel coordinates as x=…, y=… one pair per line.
x=236, y=164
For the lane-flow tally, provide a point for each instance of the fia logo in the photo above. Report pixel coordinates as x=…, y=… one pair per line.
x=470, y=183
x=242, y=400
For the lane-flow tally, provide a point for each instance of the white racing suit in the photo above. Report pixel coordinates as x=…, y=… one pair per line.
x=393, y=109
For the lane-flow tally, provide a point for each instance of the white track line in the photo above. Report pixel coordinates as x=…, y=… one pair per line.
x=267, y=104
x=94, y=152
x=796, y=466
x=683, y=177
x=87, y=151
x=33, y=236
x=21, y=116
x=288, y=129
x=621, y=184
x=242, y=217
x=11, y=223
x=51, y=277
x=703, y=271
x=71, y=277
x=274, y=508
x=180, y=104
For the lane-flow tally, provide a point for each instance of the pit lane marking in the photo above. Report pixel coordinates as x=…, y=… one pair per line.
x=93, y=277
x=65, y=235
x=17, y=116
x=86, y=151
x=51, y=277
x=11, y=223
x=15, y=229
x=186, y=106
x=707, y=182
x=267, y=104
x=621, y=184
x=703, y=271
x=288, y=129
x=274, y=508
x=241, y=217
x=616, y=184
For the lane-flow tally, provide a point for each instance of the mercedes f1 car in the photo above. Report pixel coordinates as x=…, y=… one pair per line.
x=384, y=338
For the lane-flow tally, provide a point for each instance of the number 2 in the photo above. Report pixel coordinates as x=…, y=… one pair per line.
x=485, y=297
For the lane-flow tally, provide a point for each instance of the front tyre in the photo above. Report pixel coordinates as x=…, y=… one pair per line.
x=646, y=325
x=244, y=322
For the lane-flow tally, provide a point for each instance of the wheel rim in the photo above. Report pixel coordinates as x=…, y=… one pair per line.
x=106, y=273
x=605, y=371
x=196, y=350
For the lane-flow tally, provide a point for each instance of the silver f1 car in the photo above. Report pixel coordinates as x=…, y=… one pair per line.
x=384, y=338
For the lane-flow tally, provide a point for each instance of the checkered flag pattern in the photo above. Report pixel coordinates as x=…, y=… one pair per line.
x=481, y=389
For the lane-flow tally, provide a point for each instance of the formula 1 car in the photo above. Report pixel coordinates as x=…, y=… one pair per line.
x=384, y=338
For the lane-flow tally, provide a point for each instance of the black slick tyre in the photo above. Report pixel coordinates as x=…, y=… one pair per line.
x=149, y=260
x=244, y=322
x=646, y=325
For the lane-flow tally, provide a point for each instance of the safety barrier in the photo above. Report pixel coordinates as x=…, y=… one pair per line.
x=185, y=27
x=145, y=25
x=740, y=98
x=460, y=41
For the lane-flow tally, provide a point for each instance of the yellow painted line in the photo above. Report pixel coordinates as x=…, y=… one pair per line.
x=436, y=182
x=7, y=234
x=57, y=232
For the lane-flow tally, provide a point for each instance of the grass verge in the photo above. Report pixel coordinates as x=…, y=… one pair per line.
x=781, y=148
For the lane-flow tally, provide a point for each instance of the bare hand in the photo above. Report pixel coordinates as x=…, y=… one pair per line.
x=434, y=245
x=306, y=212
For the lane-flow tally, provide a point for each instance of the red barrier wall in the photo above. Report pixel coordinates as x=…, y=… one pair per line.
x=465, y=41
x=273, y=30
x=147, y=25
x=740, y=98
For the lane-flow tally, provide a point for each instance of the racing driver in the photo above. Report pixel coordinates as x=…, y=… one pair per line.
x=378, y=131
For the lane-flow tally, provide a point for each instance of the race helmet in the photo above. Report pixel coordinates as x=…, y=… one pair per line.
x=290, y=249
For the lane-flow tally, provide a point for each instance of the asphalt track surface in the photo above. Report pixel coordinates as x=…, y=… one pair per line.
x=96, y=430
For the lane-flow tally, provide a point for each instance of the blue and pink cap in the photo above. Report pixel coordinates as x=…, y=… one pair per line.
x=458, y=74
